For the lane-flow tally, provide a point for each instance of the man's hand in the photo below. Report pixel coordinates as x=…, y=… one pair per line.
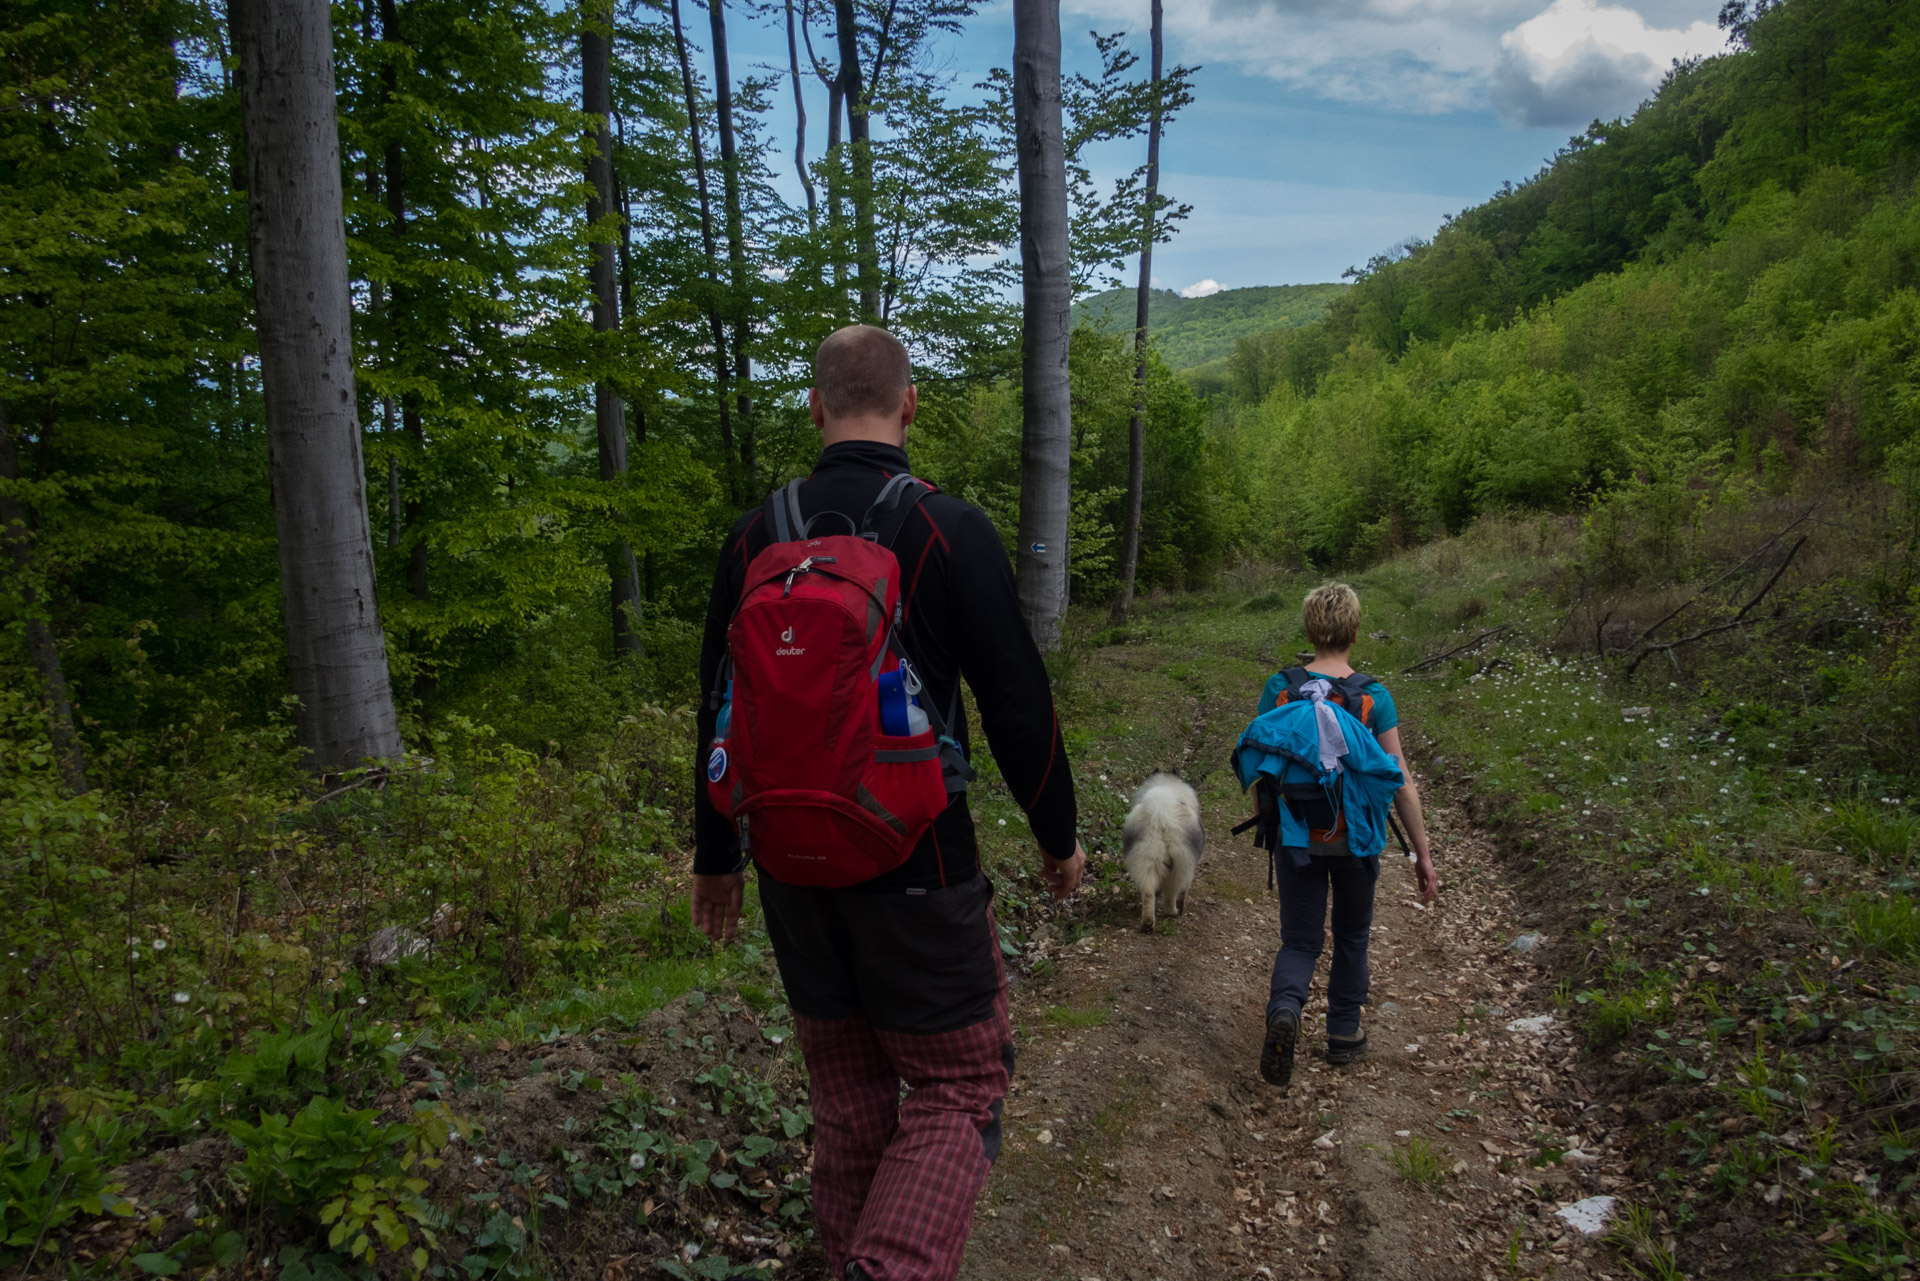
x=1429, y=879
x=1063, y=878
x=716, y=904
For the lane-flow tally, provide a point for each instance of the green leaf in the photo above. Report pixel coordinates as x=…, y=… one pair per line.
x=228, y=1248
x=159, y=1265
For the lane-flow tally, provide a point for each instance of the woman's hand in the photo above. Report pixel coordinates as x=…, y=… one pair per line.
x=1423, y=871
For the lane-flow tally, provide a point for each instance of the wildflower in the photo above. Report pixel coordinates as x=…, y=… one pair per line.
x=1003, y=822
x=181, y=998
x=158, y=945
x=638, y=1160
x=363, y=1000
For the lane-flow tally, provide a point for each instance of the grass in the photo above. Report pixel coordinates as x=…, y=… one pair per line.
x=1420, y=1162
x=1637, y=1236
x=1068, y=1016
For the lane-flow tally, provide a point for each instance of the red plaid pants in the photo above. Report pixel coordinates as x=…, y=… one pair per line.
x=895, y=1179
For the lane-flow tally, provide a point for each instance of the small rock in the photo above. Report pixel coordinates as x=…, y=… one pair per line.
x=1588, y=1217
x=1044, y=1137
x=1389, y=1007
x=1577, y=1158
x=1636, y=713
x=393, y=944
x=1527, y=942
x=1537, y=1025
x=1325, y=1140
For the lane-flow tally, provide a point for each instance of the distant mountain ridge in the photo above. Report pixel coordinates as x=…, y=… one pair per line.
x=1193, y=331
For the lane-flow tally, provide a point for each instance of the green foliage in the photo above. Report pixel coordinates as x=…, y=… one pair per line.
x=44, y=1188
x=1193, y=334
x=343, y=1172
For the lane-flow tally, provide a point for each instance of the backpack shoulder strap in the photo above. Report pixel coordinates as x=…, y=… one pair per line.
x=1353, y=688
x=1295, y=677
x=783, y=513
x=888, y=515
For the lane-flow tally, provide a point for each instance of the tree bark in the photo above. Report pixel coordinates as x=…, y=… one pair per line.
x=609, y=414
x=714, y=324
x=336, y=649
x=738, y=306
x=800, y=126
x=1046, y=404
x=1137, y=425
x=856, y=94
x=16, y=530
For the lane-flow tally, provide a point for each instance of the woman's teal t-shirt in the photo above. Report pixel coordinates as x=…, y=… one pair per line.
x=1384, y=716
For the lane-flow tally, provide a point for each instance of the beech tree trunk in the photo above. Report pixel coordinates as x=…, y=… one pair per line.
x=1046, y=405
x=336, y=650
x=800, y=126
x=609, y=414
x=714, y=325
x=16, y=531
x=856, y=93
x=1137, y=425
x=738, y=306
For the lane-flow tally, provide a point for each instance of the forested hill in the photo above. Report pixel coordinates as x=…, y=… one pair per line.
x=1193, y=331
x=1717, y=291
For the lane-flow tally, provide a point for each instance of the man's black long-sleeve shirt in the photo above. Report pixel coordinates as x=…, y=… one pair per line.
x=960, y=617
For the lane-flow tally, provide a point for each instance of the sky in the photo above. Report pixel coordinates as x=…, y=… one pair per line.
x=1323, y=132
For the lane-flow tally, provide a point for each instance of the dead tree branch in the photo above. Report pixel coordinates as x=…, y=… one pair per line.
x=1457, y=649
x=1738, y=618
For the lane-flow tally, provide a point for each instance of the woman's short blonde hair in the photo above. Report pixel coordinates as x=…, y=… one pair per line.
x=1332, y=616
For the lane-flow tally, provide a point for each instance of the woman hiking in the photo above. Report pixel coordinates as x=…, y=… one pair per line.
x=1326, y=865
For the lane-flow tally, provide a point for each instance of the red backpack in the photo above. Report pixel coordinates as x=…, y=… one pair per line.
x=820, y=794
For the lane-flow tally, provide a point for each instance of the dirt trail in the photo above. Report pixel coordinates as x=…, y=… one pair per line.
x=1142, y=1143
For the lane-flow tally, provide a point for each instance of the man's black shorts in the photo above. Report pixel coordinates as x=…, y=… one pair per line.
x=916, y=962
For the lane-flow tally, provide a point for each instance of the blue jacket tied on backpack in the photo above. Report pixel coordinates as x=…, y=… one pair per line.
x=1311, y=740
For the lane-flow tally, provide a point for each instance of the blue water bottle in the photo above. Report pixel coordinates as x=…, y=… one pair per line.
x=893, y=704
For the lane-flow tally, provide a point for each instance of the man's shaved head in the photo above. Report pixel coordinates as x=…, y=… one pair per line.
x=861, y=370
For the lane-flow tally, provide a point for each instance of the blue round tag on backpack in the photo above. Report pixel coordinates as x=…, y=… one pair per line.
x=717, y=765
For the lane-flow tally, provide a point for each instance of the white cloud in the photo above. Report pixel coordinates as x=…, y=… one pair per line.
x=1536, y=64
x=1202, y=288
x=1580, y=61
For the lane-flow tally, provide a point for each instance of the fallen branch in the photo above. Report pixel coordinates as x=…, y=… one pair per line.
x=1457, y=649
x=1744, y=562
x=376, y=778
x=1738, y=618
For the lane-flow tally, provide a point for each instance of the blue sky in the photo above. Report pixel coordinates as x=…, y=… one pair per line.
x=1325, y=131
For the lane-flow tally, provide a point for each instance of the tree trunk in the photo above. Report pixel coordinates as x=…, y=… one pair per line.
x=417, y=584
x=836, y=206
x=714, y=325
x=16, y=530
x=609, y=414
x=1137, y=425
x=857, y=93
x=1046, y=405
x=800, y=127
x=336, y=650
x=736, y=243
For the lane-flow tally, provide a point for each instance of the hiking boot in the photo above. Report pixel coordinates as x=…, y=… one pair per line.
x=1276, y=1052
x=1342, y=1050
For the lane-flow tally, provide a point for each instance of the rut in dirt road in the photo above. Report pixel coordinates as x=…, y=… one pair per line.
x=1142, y=1142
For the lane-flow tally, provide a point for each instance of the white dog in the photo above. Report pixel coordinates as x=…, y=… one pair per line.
x=1163, y=842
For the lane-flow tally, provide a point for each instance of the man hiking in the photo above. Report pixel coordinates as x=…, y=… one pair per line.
x=845, y=612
